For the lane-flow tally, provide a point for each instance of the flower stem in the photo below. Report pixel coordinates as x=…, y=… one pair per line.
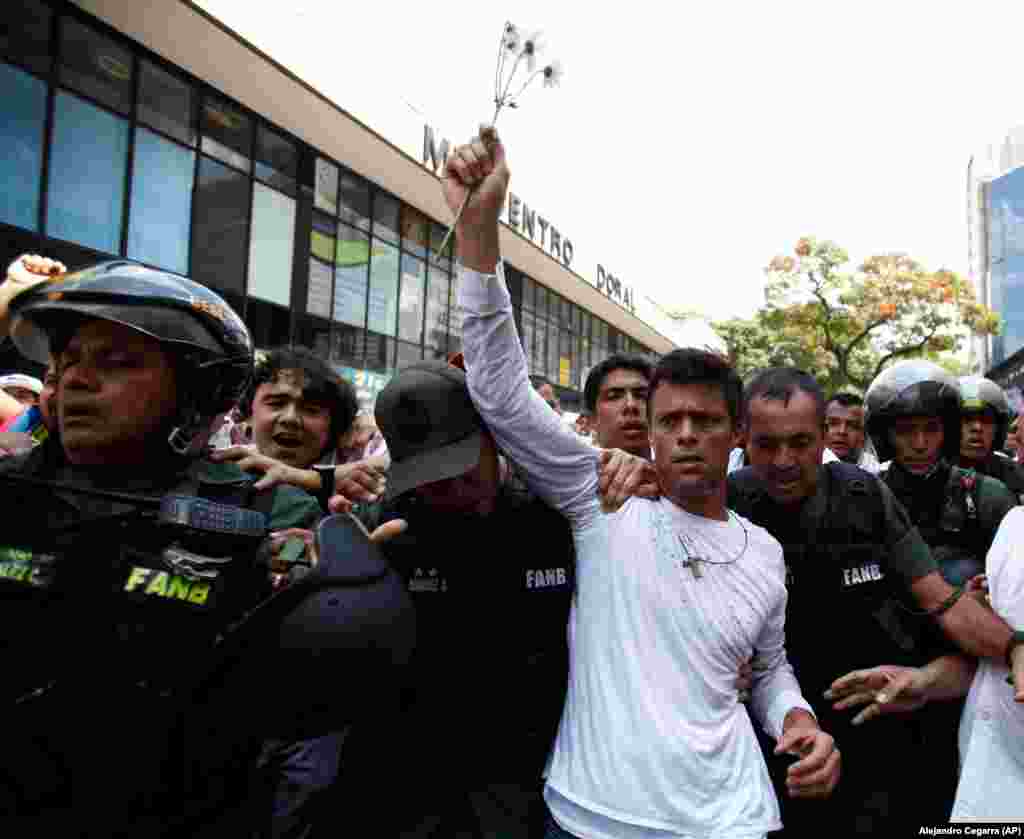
x=465, y=200
x=501, y=61
x=526, y=84
x=511, y=76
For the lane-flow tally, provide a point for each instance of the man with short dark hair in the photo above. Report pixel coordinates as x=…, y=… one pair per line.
x=298, y=409
x=844, y=431
x=859, y=570
x=615, y=398
x=672, y=595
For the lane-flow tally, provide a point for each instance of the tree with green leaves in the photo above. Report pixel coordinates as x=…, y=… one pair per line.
x=846, y=326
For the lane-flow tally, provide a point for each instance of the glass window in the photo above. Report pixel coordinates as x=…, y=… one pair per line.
x=321, y=277
x=277, y=160
x=528, y=289
x=566, y=359
x=87, y=174
x=383, y=288
x=437, y=234
x=540, y=343
x=385, y=217
x=22, y=115
x=352, y=266
x=528, y=324
x=227, y=133
x=576, y=319
x=315, y=334
x=166, y=103
x=25, y=34
x=325, y=193
x=380, y=353
x=354, y=200
x=269, y=325
x=410, y=299
x=585, y=321
x=95, y=65
x=415, y=231
x=406, y=354
x=161, y=206
x=436, y=328
x=551, y=365
x=348, y=345
x=564, y=313
x=272, y=245
x=588, y=353
x=220, y=230
x=541, y=301
x=454, y=317
x=321, y=242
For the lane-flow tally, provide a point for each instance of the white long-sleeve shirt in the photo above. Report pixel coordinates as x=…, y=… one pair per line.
x=653, y=741
x=992, y=726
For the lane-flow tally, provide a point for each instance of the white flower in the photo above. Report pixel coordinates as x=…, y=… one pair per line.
x=512, y=39
x=553, y=74
x=532, y=46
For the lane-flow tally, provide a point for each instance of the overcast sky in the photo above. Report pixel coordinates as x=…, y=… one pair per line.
x=690, y=142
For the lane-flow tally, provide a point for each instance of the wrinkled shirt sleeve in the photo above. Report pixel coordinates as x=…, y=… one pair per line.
x=558, y=466
x=775, y=691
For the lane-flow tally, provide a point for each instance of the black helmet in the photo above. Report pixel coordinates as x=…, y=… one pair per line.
x=978, y=394
x=187, y=318
x=913, y=388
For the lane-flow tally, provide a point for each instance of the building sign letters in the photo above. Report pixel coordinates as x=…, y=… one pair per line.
x=519, y=216
x=527, y=221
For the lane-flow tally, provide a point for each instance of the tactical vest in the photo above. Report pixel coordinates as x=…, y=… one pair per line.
x=954, y=516
x=146, y=660
x=494, y=590
x=114, y=617
x=844, y=611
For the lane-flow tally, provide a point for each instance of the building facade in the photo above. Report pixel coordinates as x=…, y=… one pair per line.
x=995, y=195
x=163, y=137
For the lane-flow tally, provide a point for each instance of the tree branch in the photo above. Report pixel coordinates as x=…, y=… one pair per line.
x=864, y=334
x=904, y=351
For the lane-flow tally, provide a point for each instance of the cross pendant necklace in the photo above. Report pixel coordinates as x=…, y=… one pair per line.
x=693, y=563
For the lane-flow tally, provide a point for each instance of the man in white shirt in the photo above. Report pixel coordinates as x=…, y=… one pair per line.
x=673, y=595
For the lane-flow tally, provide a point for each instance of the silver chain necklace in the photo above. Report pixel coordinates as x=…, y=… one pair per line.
x=693, y=557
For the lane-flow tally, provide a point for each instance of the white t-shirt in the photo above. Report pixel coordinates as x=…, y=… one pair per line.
x=992, y=725
x=867, y=461
x=653, y=740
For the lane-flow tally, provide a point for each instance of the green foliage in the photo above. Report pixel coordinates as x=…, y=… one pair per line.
x=845, y=327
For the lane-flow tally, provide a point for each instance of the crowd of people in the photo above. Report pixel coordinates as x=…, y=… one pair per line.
x=707, y=608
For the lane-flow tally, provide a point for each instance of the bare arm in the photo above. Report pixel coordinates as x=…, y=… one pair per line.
x=974, y=628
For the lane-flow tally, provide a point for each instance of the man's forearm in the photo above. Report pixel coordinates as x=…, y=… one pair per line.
x=976, y=629
x=478, y=248
x=949, y=677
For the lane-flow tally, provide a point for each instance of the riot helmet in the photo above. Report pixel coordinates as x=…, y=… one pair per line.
x=978, y=394
x=190, y=321
x=913, y=388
